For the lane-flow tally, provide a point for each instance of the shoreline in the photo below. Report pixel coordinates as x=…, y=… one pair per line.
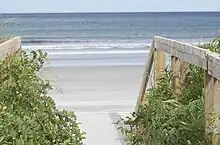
x=86, y=88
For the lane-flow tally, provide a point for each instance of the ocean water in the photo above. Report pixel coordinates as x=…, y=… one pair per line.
x=79, y=39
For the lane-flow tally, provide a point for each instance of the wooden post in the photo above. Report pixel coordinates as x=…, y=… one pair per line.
x=216, y=96
x=175, y=68
x=159, y=65
x=209, y=100
x=216, y=109
x=180, y=70
x=212, y=105
x=209, y=95
x=184, y=70
x=142, y=98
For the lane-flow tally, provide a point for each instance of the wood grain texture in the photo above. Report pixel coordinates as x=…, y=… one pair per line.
x=175, y=68
x=202, y=58
x=159, y=65
x=213, y=64
x=209, y=95
x=185, y=52
x=182, y=55
x=216, y=96
x=142, y=98
x=216, y=109
x=10, y=46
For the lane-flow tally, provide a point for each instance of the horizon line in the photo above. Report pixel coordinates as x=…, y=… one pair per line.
x=108, y=12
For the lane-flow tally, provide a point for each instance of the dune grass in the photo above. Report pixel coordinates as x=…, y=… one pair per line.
x=168, y=121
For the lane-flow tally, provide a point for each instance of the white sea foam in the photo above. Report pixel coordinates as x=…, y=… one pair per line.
x=86, y=46
x=101, y=45
x=99, y=52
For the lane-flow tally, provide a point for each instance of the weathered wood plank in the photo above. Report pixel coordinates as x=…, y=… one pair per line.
x=216, y=139
x=183, y=51
x=145, y=79
x=209, y=103
x=191, y=54
x=216, y=106
x=209, y=95
x=216, y=96
x=10, y=46
x=159, y=65
x=183, y=55
x=184, y=70
x=159, y=61
x=213, y=64
x=179, y=70
x=212, y=105
x=162, y=47
x=175, y=68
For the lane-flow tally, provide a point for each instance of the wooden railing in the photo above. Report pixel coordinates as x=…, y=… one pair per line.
x=181, y=56
x=9, y=46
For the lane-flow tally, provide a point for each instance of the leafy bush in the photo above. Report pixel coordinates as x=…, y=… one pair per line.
x=28, y=116
x=168, y=121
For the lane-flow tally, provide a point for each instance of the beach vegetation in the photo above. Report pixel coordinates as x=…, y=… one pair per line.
x=28, y=115
x=167, y=120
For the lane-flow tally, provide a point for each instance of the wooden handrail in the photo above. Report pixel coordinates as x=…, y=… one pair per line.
x=146, y=77
x=183, y=54
x=10, y=46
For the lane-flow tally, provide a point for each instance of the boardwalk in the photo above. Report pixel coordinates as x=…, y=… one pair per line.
x=101, y=95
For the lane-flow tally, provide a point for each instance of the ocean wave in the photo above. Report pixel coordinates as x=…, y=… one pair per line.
x=46, y=41
x=99, y=52
x=87, y=46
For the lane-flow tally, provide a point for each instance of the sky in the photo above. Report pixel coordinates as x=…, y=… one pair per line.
x=44, y=6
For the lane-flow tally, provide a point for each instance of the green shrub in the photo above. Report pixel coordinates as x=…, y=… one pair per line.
x=168, y=121
x=28, y=116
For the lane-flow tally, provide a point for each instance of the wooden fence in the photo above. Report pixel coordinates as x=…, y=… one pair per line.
x=181, y=56
x=9, y=46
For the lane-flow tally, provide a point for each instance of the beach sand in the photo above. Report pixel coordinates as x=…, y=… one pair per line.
x=98, y=95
